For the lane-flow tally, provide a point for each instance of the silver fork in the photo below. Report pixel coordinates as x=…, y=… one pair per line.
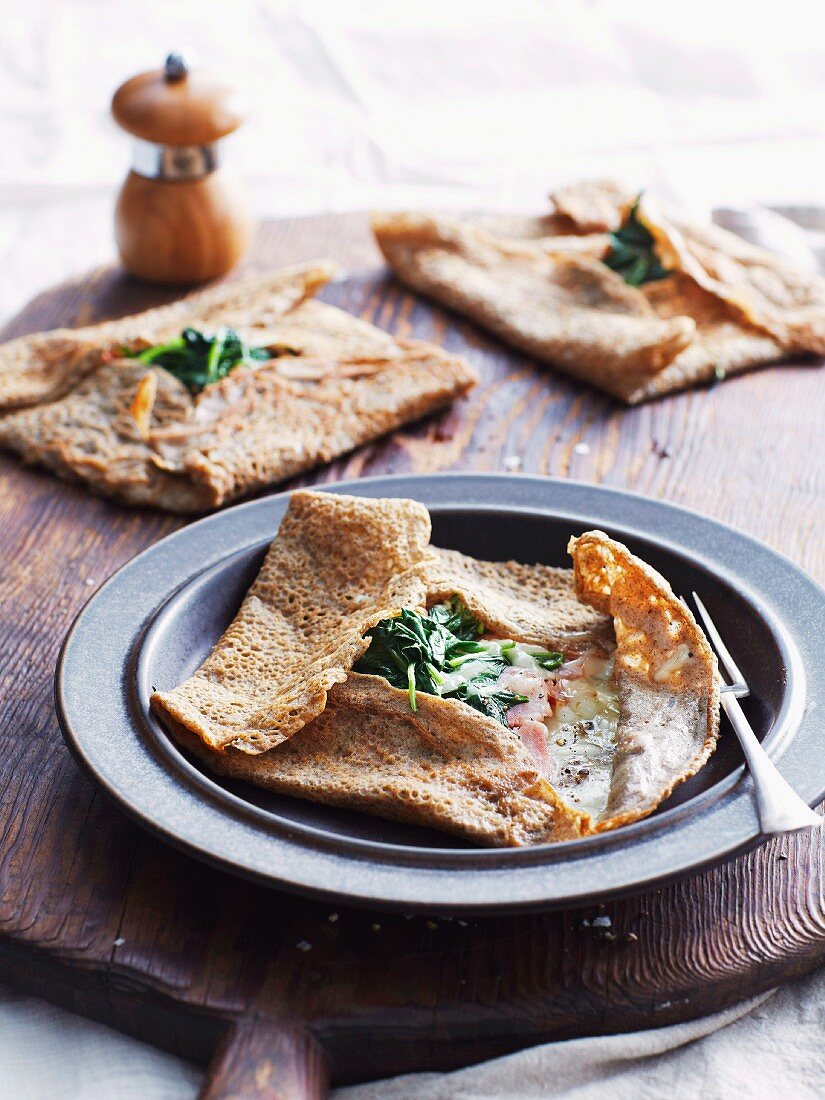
x=780, y=808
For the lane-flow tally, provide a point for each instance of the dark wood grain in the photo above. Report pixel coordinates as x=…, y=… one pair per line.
x=101, y=918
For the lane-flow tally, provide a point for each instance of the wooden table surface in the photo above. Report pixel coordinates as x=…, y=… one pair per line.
x=105, y=920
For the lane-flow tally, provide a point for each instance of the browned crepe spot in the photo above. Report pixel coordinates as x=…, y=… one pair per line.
x=669, y=718
x=144, y=402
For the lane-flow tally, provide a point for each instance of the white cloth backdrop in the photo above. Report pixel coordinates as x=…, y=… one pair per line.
x=432, y=103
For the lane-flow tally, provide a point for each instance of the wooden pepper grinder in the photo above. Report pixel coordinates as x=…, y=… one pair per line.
x=181, y=217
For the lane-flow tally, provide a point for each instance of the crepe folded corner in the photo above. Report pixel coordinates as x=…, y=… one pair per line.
x=79, y=402
x=666, y=674
x=718, y=306
x=277, y=702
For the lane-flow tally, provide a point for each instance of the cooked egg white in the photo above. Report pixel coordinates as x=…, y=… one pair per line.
x=581, y=734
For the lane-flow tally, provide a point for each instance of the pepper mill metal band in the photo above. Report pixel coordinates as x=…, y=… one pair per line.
x=174, y=162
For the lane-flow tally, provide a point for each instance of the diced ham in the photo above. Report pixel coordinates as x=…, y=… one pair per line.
x=534, y=736
x=555, y=690
x=536, y=708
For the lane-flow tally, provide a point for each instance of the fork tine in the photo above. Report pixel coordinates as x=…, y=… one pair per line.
x=738, y=683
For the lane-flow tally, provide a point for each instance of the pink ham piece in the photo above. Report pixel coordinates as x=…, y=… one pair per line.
x=534, y=736
x=526, y=718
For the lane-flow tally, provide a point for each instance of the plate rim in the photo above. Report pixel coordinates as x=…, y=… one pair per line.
x=363, y=886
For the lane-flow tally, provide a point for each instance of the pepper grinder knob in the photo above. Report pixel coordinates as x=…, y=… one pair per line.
x=175, y=68
x=181, y=216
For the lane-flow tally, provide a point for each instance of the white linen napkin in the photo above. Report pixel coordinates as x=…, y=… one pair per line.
x=767, y=1047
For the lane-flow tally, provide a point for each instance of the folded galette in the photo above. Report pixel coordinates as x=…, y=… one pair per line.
x=227, y=391
x=510, y=704
x=611, y=291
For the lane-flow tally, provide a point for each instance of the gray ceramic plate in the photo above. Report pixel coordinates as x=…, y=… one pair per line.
x=155, y=620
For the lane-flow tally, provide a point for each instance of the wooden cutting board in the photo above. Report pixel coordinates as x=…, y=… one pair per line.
x=278, y=991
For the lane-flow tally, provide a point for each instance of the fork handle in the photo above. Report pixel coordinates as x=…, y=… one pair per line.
x=781, y=810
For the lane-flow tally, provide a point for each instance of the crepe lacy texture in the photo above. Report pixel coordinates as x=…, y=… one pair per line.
x=529, y=603
x=540, y=285
x=337, y=566
x=69, y=401
x=277, y=702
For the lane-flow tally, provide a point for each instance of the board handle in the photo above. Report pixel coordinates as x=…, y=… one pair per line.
x=263, y=1058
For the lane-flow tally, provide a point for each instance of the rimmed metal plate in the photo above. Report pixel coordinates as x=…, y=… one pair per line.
x=155, y=620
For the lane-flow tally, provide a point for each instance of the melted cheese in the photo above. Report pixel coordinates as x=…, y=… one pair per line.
x=516, y=654
x=581, y=729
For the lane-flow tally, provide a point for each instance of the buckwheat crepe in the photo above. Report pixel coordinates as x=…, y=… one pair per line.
x=73, y=401
x=541, y=284
x=277, y=702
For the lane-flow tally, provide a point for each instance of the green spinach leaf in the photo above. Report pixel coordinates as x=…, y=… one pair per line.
x=414, y=652
x=198, y=359
x=633, y=251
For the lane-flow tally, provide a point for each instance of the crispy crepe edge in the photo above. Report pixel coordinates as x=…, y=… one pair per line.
x=641, y=602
